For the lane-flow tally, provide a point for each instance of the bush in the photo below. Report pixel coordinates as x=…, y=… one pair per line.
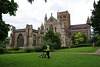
x=52, y=45
x=37, y=49
x=2, y=50
x=28, y=50
x=16, y=48
x=3, y=45
x=8, y=51
x=43, y=47
x=81, y=45
x=52, y=50
x=52, y=38
x=20, y=51
x=65, y=47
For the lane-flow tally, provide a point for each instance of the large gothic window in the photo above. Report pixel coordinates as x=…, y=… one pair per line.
x=34, y=40
x=55, y=29
x=51, y=27
x=20, y=40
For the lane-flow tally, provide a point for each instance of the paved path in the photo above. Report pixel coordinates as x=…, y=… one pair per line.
x=97, y=52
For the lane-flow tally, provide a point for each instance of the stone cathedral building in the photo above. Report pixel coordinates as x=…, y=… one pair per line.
x=31, y=37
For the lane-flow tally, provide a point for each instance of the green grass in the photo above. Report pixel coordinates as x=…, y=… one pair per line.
x=79, y=49
x=56, y=60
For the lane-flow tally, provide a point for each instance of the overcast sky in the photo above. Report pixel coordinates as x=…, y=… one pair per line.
x=34, y=13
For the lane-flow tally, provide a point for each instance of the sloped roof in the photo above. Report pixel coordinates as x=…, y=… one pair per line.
x=80, y=26
x=51, y=19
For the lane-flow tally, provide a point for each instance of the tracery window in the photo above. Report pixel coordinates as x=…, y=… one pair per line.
x=51, y=27
x=20, y=40
x=34, y=40
x=55, y=29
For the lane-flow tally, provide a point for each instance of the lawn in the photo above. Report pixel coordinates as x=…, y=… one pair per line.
x=79, y=49
x=57, y=60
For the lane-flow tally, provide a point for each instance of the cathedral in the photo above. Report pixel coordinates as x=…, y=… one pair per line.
x=31, y=37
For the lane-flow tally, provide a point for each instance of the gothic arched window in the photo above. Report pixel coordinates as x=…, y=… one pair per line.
x=34, y=40
x=55, y=29
x=51, y=27
x=20, y=40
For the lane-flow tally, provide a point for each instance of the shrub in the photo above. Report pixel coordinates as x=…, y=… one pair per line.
x=43, y=47
x=20, y=51
x=8, y=51
x=2, y=50
x=81, y=45
x=52, y=50
x=52, y=45
x=3, y=45
x=16, y=48
x=28, y=50
x=37, y=49
x=51, y=38
x=78, y=38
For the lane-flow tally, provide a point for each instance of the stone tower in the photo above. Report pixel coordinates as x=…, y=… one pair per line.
x=65, y=18
x=59, y=26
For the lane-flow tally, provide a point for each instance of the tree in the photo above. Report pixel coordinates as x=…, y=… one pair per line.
x=98, y=42
x=33, y=0
x=9, y=7
x=95, y=18
x=95, y=22
x=7, y=40
x=53, y=38
x=78, y=38
x=73, y=38
x=93, y=37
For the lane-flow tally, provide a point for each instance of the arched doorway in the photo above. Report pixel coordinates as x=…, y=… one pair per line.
x=20, y=40
x=34, y=40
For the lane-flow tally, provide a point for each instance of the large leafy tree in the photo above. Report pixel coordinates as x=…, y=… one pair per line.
x=95, y=18
x=95, y=21
x=53, y=38
x=10, y=7
x=78, y=38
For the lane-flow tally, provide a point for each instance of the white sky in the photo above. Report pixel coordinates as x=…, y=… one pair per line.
x=34, y=13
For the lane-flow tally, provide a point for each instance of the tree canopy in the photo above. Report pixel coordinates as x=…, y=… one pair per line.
x=10, y=7
x=95, y=22
x=78, y=38
x=95, y=18
x=53, y=38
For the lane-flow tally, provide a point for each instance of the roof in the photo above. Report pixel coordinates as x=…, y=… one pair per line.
x=63, y=12
x=20, y=30
x=23, y=30
x=51, y=19
x=80, y=26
